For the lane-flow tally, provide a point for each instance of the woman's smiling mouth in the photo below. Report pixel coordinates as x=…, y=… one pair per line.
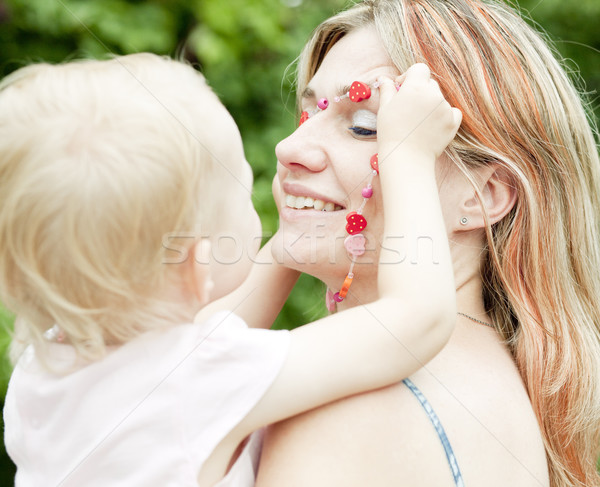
x=299, y=197
x=307, y=202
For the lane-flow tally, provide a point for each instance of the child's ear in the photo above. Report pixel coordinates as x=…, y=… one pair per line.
x=202, y=282
x=499, y=196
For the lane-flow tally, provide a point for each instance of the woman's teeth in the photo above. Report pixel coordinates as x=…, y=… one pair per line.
x=303, y=202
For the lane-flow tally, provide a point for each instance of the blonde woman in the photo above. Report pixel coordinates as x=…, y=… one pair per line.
x=514, y=397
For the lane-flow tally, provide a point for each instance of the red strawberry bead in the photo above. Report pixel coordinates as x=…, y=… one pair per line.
x=356, y=223
x=359, y=91
x=303, y=118
x=375, y=162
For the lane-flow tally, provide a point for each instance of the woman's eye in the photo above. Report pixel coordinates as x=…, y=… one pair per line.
x=363, y=132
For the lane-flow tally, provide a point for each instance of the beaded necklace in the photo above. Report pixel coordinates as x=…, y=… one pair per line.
x=355, y=241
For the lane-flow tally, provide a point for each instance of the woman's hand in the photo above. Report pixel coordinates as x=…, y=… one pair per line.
x=414, y=117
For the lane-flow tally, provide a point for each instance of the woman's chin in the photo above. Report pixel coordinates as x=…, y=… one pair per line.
x=316, y=253
x=312, y=242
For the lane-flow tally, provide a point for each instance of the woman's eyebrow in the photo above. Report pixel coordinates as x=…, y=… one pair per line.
x=342, y=91
x=308, y=93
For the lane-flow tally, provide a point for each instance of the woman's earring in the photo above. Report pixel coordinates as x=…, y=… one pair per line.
x=464, y=220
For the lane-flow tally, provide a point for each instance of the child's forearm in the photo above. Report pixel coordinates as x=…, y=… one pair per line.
x=415, y=262
x=415, y=125
x=261, y=296
x=265, y=291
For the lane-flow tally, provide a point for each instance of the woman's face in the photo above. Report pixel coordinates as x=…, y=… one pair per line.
x=327, y=159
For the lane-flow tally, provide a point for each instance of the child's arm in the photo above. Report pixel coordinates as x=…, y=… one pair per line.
x=381, y=343
x=261, y=296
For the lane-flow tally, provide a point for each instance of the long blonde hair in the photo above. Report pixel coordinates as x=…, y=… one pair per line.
x=99, y=160
x=541, y=272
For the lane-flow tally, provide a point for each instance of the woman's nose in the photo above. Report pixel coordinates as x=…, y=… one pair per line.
x=302, y=150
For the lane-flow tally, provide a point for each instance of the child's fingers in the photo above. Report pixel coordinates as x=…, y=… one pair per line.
x=387, y=89
x=399, y=80
x=435, y=84
x=456, y=117
x=418, y=73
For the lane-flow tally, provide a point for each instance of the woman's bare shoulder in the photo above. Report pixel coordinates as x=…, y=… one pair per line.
x=385, y=437
x=348, y=442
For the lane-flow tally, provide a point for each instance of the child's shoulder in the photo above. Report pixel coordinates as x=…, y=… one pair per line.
x=221, y=346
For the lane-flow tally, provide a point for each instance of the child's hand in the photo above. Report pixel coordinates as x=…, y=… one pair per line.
x=415, y=117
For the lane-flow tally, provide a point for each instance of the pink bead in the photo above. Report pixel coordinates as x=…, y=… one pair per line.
x=337, y=298
x=355, y=244
x=367, y=192
x=323, y=103
x=330, y=301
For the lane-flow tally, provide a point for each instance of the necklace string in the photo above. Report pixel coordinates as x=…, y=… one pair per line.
x=475, y=319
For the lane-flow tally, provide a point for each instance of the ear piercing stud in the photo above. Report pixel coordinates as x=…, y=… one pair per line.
x=464, y=220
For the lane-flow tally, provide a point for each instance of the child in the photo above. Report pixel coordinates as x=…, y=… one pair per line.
x=110, y=172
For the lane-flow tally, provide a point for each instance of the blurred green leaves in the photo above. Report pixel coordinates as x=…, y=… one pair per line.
x=6, y=322
x=573, y=29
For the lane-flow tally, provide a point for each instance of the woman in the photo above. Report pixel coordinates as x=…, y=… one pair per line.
x=516, y=402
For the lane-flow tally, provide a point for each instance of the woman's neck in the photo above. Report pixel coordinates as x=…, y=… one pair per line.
x=466, y=258
x=362, y=291
x=469, y=297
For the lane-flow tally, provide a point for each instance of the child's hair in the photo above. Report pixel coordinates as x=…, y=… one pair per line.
x=99, y=162
x=541, y=273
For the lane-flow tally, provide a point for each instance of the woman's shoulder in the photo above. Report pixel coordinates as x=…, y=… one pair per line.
x=474, y=391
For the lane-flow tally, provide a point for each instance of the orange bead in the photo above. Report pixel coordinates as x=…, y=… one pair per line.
x=345, y=286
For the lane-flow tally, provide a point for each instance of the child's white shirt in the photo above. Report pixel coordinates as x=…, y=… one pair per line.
x=148, y=414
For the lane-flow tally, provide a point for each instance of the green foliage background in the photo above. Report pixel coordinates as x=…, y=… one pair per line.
x=244, y=48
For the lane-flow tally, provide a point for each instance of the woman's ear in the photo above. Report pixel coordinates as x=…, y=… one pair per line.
x=498, y=198
x=202, y=282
